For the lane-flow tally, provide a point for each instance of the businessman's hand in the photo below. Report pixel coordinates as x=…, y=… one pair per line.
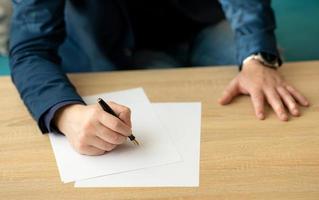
x=265, y=84
x=92, y=131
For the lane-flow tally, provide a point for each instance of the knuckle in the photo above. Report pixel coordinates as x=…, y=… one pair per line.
x=256, y=89
x=290, y=88
x=127, y=110
x=281, y=110
x=258, y=93
x=80, y=146
x=258, y=105
x=257, y=96
x=293, y=105
x=94, y=112
x=109, y=147
x=118, y=139
x=116, y=125
x=86, y=128
x=279, y=88
x=82, y=139
x=278, y=107
x=112, y=137
x=282, y=81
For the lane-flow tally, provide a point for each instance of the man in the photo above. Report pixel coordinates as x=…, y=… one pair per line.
x=50, y=38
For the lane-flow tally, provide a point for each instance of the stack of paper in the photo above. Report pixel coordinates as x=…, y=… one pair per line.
x=168, y=155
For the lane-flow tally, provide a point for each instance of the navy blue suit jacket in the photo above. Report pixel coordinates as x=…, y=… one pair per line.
x=100, y=31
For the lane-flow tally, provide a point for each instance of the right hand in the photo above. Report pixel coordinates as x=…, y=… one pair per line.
x=91, y=130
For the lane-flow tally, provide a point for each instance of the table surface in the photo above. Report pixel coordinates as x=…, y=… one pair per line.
x=241, y=157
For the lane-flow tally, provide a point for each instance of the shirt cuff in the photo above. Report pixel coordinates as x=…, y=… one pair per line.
x=45, y=122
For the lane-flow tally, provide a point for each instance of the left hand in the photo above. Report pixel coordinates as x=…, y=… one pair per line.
x=263, y=83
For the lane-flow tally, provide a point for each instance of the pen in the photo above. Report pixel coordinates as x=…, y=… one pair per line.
x=109, y=110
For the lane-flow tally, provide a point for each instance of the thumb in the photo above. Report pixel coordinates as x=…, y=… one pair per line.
x=230, y=92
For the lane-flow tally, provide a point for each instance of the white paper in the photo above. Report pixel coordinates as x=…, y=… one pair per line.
x=156, y=145
x=184, y=122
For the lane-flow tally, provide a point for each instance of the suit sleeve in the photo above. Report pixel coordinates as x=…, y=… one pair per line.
x=253, y=23
x=37, y=30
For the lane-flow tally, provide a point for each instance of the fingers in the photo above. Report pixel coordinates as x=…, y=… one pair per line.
x=257, y=99
x=88, y=139
x=106, y=131
x=89, y=150
x=263, y=83
x=289, y=101
x=114, y=124
x=110, y=136
x=299, y=97
x=123, y=112
x=275, y=102
x=100, y=144
x=92, y=131
x=230, y=92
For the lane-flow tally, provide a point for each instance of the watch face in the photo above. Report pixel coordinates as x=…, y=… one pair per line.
x=269, y=58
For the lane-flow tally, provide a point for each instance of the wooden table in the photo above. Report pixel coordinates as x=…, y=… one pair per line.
x=241, y=157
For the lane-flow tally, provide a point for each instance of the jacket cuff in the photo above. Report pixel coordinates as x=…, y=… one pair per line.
x=45, y=121
x=255, y=43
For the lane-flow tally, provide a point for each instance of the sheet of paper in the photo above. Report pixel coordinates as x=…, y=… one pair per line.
x=184, y=122
x=156, y=145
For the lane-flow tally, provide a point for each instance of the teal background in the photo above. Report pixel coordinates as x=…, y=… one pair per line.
x=298, y=28
x=297, y=31
x=4, y=66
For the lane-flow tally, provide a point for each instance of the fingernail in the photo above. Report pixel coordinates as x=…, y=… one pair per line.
x=295, y=112
x=221, y=101
x=260, y=116
x=284, y=117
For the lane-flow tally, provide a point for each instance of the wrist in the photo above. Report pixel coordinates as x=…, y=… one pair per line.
x=252, y=64
x=65, y=114
x=265, y=59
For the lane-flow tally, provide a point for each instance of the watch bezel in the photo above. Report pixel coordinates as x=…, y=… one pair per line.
x=269, y=60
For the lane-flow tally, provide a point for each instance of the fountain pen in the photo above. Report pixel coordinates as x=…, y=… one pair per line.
x=109, y=110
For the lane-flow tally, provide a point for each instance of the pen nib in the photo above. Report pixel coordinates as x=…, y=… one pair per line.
x=136, y=142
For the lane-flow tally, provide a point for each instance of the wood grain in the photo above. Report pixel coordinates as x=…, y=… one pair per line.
x=241, y=157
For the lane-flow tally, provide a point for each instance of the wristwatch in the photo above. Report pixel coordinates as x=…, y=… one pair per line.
x=266, y=59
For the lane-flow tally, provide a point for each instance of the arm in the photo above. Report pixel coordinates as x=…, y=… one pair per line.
x=37, y=31
x=253, y=23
